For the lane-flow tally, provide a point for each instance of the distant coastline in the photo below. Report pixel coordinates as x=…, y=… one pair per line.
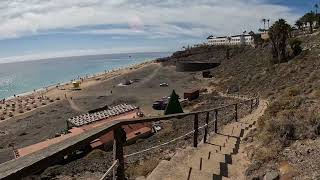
x=120, y=61
x=77, y=57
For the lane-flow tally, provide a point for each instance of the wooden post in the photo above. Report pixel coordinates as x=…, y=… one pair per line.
x=206, y=128
x=114, y=172
x=68, y=126
x=216, y=121
x=118, y=149
x=196, y=131
x=236, y=112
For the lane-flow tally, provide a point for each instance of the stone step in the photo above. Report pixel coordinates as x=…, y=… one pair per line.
x=222, y=138
x=204, y=165
x=181, y=173
x=232, y=130
x=206, y=148
x=223, y=141
x=178, y=167
x=159, y=171
x=242, y=125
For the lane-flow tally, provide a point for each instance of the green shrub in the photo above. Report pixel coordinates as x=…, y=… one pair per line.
x=174, y=106
x=295, y=45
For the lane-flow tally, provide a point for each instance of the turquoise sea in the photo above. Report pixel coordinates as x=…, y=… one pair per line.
x=21, y=77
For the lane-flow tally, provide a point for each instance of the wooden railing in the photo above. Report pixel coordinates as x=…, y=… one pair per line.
x=40, y=160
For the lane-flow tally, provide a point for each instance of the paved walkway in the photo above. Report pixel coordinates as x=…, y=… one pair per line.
x=212, y=160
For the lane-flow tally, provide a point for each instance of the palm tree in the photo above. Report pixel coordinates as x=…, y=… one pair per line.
x=299, y=24
x=309, y=18
x=317, y=15
x=264, y=23
x=279, y=34
x=268, y=24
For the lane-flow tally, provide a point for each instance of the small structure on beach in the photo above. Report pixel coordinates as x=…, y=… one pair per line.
x=192, y=95
x=76, y=85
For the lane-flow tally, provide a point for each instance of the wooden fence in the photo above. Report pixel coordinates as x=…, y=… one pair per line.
x=40, y=160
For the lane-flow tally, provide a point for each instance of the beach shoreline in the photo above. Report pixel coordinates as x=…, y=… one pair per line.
x=88, y=78
x=59, y=91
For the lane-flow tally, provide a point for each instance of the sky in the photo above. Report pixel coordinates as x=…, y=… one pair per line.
x=36, y=29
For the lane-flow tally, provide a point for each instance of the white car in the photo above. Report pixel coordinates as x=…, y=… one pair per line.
x=164, y=85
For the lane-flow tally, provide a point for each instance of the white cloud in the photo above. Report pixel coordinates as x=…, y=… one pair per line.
x=152, y=18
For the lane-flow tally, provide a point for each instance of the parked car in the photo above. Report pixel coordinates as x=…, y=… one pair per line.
x=160, y=105
x=164, y=85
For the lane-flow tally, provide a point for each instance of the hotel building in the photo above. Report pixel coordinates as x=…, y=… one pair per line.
x=244, y=39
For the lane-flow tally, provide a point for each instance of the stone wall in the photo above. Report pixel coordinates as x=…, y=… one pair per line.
x=194, y=66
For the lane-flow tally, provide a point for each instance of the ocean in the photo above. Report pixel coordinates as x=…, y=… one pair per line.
x=21, y=77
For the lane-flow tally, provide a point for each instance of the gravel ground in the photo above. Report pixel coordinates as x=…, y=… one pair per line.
x=304, y=157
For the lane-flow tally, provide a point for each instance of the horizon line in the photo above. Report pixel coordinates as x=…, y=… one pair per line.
x=70, y=56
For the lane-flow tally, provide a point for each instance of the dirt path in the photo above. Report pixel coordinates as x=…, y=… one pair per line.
x=74, y=106
x=149, y=77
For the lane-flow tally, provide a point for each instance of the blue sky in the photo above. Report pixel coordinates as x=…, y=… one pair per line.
x=33, y=29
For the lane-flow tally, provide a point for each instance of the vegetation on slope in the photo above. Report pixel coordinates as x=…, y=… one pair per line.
x=292, y=88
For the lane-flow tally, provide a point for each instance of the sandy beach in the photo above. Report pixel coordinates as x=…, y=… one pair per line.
x=48, y=119
x=25, y=103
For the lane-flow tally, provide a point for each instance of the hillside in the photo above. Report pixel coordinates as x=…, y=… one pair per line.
x=291, y=124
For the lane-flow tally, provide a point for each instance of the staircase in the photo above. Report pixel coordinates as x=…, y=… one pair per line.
x=212, y=160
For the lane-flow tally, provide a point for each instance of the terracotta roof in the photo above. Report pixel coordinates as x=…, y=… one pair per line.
x=74, y=132
x=132, y=131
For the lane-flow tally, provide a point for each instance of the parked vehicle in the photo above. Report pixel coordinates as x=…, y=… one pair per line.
x=160, y=105
x=164, y=84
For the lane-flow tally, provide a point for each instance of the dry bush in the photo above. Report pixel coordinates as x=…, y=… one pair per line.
x=142, y=169
x=285, y=121
x=96, y=154
x=316, y=94
x=264, y=154
x=292, y=91
x=284, y=103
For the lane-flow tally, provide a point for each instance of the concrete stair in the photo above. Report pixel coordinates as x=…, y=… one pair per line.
x=211, y=160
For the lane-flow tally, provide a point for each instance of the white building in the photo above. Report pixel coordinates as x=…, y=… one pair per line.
x=243, y=39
